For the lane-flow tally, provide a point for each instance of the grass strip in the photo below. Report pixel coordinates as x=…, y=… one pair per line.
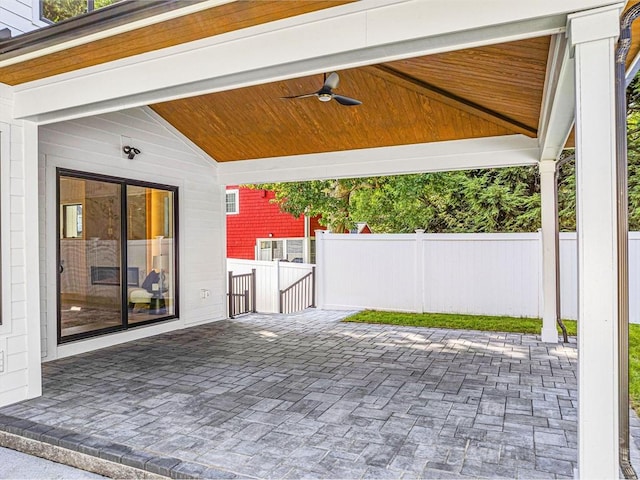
x=458, y=322
x=634, y=366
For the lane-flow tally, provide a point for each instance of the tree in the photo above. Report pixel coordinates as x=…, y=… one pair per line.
x=58, y=10
x=478, y=200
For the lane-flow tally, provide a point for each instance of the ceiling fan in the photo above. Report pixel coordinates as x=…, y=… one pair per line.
x=326, y=94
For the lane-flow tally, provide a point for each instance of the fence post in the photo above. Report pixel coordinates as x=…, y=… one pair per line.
x=276, y=307
x=230, y=294
x=419, y=272
x=254, y=308
x=313, y=287
x=321, y=266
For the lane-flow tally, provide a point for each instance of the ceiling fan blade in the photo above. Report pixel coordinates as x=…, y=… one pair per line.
x=306, y=95
x=332, y=81
x=349, y=102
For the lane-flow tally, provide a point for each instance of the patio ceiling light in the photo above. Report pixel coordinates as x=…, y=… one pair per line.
x=130, y=151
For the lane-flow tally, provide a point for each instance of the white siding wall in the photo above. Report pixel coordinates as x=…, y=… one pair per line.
x=20, y=16
x=19, y=336
x=94, y=145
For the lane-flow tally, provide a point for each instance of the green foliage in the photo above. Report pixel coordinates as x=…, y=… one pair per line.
x=58, y=10
x=634, y=366
x=497, y=200
x=458, y=322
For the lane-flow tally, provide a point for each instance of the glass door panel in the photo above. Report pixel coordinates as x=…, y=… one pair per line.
x=89, y=246
x=150, y=253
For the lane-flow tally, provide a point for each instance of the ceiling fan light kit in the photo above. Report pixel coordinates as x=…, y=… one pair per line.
x=325, y=94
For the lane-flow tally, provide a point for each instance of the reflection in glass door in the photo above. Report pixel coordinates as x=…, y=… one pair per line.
x=89, y=246
x=150, y=253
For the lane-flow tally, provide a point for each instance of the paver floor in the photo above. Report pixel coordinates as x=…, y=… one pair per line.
x=305, y=396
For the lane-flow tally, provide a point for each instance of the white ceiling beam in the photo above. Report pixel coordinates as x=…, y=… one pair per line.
x=491, y=152
x=348, y=36
x=558, y=103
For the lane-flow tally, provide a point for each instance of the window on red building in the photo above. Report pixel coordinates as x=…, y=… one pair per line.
x=232, y=202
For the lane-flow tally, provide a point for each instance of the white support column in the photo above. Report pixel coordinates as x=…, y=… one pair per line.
x=550, y=254
x=32, y=257
x=593, y=34
x=276, y=282
x=320, y=269
x=419, y=272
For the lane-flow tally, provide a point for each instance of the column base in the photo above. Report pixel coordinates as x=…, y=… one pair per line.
x=549, y=335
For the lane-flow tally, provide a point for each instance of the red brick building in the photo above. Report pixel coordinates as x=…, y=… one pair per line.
x=257, y=229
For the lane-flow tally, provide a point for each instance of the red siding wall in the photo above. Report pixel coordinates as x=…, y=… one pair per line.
x=257, y=219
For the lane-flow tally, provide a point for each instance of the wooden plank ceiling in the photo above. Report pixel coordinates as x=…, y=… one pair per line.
x=207, y=23
x=480, y=92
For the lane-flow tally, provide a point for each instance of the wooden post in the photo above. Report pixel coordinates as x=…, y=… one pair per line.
x=230, y=294
x=253, y=290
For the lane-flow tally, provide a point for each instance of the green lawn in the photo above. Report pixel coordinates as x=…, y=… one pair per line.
x=460, y=322
x=634, y=366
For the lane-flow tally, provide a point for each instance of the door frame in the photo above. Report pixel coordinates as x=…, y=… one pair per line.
x=124, y=297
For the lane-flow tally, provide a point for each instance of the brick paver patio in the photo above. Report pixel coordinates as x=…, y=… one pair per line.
x=304, y=396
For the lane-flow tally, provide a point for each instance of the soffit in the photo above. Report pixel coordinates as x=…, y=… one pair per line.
x=480, y=92
x=206, y=23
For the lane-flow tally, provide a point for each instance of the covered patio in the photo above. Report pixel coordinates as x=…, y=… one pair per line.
x=197, y=87
x=306, y=396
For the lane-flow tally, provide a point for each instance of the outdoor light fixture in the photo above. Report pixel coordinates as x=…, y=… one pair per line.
x=130, y=151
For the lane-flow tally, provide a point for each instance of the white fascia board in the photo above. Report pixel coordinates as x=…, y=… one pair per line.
x=558, y=102
x=491, y=152
x=337, y=38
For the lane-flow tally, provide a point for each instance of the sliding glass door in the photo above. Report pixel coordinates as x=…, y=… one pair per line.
x=90, y=256
x=150, y=248
x=116, y=254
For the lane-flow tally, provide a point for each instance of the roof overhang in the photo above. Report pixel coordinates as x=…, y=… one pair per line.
x=291, y=52
x=109, y=21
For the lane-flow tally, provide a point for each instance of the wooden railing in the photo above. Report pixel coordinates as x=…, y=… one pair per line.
x=300, y=295
x=242, y=293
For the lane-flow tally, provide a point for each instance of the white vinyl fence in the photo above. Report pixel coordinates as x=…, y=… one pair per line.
x=271, y=277
x=490, y=274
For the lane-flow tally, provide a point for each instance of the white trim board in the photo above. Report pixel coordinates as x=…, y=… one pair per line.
x=559, y=102
x=491, y=152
